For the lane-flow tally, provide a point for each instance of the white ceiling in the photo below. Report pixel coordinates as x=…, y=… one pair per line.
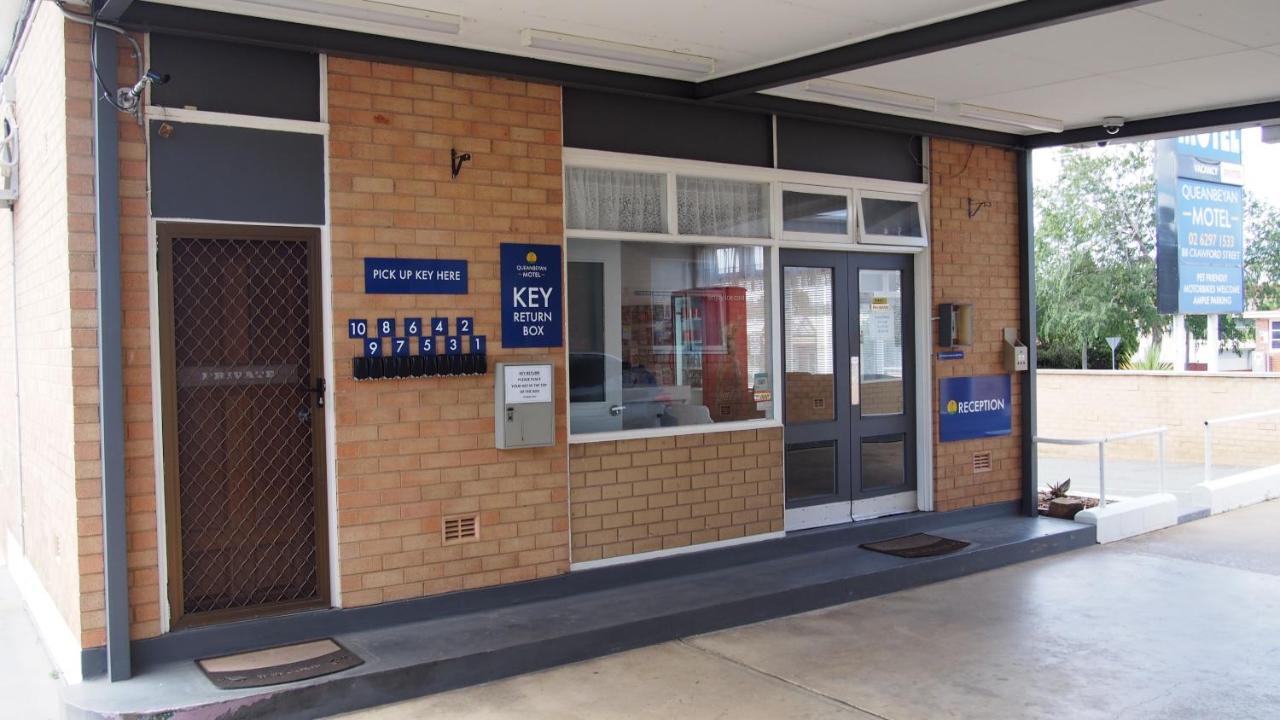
x=1161, y=58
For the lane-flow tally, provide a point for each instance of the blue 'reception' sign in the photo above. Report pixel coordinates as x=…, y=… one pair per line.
x=975, y=407
x=410, y=276
x=532, y=302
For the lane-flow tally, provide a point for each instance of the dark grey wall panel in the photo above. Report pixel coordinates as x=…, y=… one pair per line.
x=845, y=150
x=630, y=124
x=232, y=78
x=229, y=173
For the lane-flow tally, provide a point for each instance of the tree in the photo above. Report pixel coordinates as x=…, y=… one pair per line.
x=1095, y=256
x=1095, y=259
x=1261, y=255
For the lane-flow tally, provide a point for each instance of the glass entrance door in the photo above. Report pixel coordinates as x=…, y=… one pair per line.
x=848, y=364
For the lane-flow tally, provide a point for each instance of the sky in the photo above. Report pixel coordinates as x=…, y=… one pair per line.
x=1261, y=166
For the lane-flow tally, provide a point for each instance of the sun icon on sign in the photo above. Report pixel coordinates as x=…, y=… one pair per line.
x=952, y=407
x=531, y=256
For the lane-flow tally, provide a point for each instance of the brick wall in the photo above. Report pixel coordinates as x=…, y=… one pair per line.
x=141, y=521
x=634, y=496
x=44, y=282
x=975, y=260
x=1089, y=403
x=413, y=451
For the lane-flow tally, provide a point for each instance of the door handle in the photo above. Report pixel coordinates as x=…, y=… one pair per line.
x=855, y=381
x=318, y=391
x=616, y=410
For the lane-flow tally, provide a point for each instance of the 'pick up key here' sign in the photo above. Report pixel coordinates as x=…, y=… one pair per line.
x=415, y=276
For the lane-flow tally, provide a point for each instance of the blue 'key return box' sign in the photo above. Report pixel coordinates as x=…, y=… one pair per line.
x=975, y=407
x=532, y=302
x=410, y=276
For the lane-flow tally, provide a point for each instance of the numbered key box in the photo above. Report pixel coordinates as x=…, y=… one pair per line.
x=464, y=325
x=357, y=328
x=413, y=327
x=439, y=326
x=386, y=327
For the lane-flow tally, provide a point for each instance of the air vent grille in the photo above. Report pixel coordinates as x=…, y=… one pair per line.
x=982, y=462
x=460, y=528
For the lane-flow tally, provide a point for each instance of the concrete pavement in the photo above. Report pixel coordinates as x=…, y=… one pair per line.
x=28, y=683
x=1182, y=623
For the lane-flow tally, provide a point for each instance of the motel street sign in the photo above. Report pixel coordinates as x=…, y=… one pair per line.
x=1200, y=224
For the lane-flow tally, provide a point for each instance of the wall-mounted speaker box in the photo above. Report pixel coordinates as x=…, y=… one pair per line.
x=955, y=324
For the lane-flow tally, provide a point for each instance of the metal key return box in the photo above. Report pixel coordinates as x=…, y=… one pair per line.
x=524, y=410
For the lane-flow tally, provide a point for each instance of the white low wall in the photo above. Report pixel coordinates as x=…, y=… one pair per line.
x=62, y=644
x=1237, y=491
x=1135, y=516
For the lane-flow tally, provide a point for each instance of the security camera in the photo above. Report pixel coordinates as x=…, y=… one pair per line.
x=1102, y=143
x=1112, y=124
x=127, y=97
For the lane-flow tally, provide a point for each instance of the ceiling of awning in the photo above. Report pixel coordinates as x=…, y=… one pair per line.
x=1148, y=60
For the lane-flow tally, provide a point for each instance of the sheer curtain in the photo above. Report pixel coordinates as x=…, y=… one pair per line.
x=616, y=200
x=727, y=208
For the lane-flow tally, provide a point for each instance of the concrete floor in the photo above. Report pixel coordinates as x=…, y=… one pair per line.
x=1177, y=624
x=28, y=682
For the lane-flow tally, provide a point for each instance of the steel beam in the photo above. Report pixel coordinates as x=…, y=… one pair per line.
x=1200, y=121
x=226, y=27
x=942, y=35
x=106, y=187
x=109, y=11
x=1027, y=328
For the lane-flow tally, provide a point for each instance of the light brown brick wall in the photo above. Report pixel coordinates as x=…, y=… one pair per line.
x=412, y=451
x=634, y=496
x=140, y=520
x=975, y=260
x=47, y=315
x=1090, y=403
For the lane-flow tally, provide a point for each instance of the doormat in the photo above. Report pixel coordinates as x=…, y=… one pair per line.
x=273, y=666
x=917, y=545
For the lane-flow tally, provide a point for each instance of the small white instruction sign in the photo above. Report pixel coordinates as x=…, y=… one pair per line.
x=527, y=384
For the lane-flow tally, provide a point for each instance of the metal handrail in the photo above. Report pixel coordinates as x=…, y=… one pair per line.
x=1101, y=442
x=1208, y=434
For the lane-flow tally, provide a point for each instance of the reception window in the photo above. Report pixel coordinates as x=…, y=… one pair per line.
x=667, y=334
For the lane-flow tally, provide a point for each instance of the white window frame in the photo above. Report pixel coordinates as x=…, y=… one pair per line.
x=777, y=240
x=896, y=240
x=851, y=226
x=924, y=410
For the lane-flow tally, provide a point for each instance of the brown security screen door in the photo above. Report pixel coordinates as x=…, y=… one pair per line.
x=243, y=420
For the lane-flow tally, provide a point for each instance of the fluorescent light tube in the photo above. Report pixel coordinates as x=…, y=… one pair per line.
x=389, y=13
x=1007, y=117
x=873, y=95
x=620, y=52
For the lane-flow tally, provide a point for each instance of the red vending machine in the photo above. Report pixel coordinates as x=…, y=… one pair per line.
x=711, y=350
